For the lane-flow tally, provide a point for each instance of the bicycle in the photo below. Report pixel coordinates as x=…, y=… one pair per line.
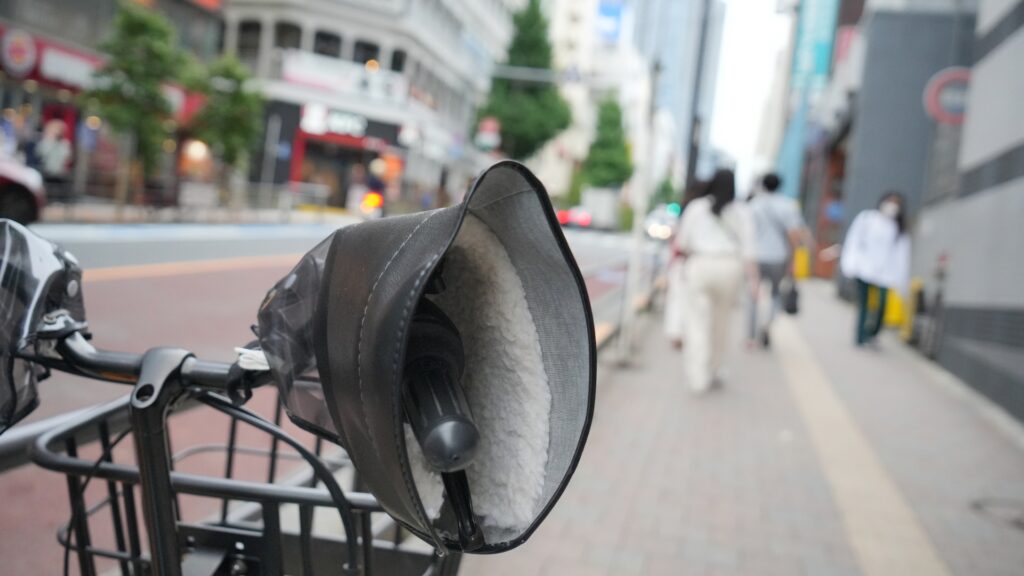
x=448, y=400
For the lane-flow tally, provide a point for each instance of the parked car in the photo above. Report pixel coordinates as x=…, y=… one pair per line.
x=22, y=195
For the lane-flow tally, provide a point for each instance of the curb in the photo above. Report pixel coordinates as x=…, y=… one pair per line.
x=605, y=332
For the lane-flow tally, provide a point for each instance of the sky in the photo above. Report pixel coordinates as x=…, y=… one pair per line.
x=752, y=35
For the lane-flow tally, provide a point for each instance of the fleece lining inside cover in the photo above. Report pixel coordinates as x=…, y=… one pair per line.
x=505, y=382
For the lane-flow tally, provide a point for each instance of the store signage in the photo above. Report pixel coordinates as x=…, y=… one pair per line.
x=488, y=133
x=18, y=53
x=945, y=95
x=609, y=21
x=66, y=67
x=343, y=77
x=319, y=119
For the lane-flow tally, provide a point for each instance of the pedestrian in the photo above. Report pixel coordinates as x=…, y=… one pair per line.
x=716, y=239
x=54, y=152
x=675, y=276
x=876, y=254
x=778, y=230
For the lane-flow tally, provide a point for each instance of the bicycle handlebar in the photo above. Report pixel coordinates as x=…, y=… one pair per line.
x=122, y=367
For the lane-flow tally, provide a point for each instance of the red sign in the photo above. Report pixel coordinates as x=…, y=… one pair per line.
x=488, y=133
x=945, y=95
x=18, y=52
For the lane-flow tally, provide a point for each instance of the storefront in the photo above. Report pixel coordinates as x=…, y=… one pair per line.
x=40, y=81
x=326, y=151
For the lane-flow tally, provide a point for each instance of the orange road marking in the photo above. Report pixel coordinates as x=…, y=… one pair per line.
x=165, y=269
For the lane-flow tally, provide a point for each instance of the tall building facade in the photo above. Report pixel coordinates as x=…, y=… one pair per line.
x=351, y=82
x=967, y=244
x=668, y=31
x=609, y=47
x=574, y=35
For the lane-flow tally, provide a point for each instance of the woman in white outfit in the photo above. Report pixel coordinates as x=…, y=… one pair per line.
x=675, y=291
x=716, y=236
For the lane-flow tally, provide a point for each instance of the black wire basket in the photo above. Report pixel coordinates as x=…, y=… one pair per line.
x=249, y=540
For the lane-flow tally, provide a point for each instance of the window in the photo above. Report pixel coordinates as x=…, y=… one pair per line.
x=287, y=35
x=327, y=44
x=398, y=61
x=365, y=51
x=249, y=42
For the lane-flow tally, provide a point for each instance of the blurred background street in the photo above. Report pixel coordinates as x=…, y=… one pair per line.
x=189, y=152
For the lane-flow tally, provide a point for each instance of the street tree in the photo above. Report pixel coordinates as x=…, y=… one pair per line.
x=230, y=120
x=665, y=193
x=608, y=164
x=530, y=113
x=128, y=90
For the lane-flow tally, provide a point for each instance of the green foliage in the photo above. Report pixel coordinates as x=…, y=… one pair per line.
x=230, y=121
x=142, y=57
x=576, y=184
x=531, y=113
x=608, y=163
x=664, y=194
x=625, y=218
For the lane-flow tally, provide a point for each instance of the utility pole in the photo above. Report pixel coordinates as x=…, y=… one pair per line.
x=639, y=193
x=696, y=122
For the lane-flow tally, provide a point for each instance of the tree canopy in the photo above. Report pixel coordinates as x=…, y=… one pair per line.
x=530, y=113
x=230, y=120
x=129, y=89
x=608, y=163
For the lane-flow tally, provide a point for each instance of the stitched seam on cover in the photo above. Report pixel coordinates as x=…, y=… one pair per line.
x=504, y=196
x=362, y=326
x=409, y=484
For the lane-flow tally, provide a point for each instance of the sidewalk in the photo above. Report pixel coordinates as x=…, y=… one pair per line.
x=817, y=459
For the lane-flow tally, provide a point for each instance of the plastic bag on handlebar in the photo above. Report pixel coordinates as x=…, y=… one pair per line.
x=286, y=336
x=36, y=277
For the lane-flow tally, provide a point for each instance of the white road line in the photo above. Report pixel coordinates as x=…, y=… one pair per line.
x=882, y=529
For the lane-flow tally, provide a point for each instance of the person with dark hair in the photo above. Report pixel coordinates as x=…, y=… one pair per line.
x=876, y=254
x=675, y=295
x=715, y=237
x=779, y=229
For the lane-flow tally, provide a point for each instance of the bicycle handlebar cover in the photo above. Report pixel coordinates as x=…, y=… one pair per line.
x=336, y=332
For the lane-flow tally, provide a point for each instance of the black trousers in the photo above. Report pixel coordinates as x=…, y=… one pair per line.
x=870, y=311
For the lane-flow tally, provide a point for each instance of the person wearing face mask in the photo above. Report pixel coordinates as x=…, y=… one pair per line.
x=876, y=254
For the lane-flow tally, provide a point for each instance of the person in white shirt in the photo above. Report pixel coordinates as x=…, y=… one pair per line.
x=876, y=253
x=675, y=273
x=778, y=230
x=716, y=238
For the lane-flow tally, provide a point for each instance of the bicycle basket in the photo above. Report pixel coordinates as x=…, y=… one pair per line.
x=35, y=277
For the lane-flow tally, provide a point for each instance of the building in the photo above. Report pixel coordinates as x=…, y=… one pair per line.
x=609, y=47
x=574, y=35
x=348, y=83
x=668, y=31
x=49, y=50
x=863, y=109
x=967, y=242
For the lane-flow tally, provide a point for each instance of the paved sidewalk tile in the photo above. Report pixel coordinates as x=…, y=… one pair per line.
x=673, y=484
x=731, y=483
x=933, y=435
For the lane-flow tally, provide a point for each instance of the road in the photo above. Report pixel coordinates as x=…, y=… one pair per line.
x=196, y=287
